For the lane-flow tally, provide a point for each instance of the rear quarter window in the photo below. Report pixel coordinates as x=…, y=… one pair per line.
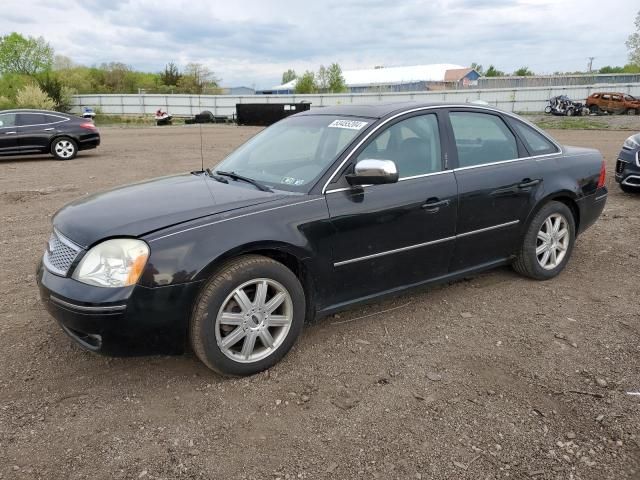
x=536, y=143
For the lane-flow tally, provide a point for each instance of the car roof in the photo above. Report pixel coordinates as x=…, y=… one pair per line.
x=380, y=110
x=32, y=110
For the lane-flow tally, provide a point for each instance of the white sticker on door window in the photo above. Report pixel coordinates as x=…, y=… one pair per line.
x=350, y=124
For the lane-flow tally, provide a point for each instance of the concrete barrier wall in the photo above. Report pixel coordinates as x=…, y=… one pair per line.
x=510, y=99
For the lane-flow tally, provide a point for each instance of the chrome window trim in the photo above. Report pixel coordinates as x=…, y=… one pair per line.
x=84, y=308
x=234, y=218
x=63, y=119
x=425, y=244
x=342, y=189
x=433, y=107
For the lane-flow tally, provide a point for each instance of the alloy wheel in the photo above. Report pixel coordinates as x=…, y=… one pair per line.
x=552, y=241
x=64, y=149
x=254, y=320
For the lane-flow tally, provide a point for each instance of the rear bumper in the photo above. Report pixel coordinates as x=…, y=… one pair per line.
x=119, y=321
x=590, y=208
x=86, y=142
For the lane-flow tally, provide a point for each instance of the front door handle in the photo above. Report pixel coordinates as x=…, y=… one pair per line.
x=48, y=129
x=527, y=183
x=432, y=205
x=10, y=133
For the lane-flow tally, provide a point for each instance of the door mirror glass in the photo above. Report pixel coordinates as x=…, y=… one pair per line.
x=373, y=171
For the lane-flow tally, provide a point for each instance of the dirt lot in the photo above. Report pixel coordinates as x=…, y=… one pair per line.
x=491, y=377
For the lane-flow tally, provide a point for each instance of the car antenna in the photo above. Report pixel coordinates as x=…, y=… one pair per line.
x=200, y=128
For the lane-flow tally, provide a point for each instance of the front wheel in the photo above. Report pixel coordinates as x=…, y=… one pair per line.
x=248, y=316
x=64, y=148
x=548, y=242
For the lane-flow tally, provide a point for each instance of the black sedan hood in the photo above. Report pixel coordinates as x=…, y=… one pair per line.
x=140, y=208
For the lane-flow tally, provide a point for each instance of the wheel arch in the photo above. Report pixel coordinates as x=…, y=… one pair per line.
x=567, y=197
x=288, y=255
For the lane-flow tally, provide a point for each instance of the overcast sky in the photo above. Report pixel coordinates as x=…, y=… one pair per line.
x=251, y=42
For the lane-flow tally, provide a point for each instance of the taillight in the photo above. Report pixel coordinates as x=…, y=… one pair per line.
x=603, y=175
x=88, y=126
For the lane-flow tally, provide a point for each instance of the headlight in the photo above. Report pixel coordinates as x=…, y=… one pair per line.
x=113, y=263
x=632, y=142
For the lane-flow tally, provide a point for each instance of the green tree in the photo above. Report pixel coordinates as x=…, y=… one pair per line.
x=32, y=96
x=288, y=76
x=633, y=43
x=523, y=72
x=27, y=56
x=609, y=69
x=335, y=79
x=322, y=79
x=478, y=68
x=197, y=78
x=61, y=94
x=171, y=74
x=493, y=72
x=306, y=83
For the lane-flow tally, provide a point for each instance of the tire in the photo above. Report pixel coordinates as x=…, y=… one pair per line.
x=529, y=262
x=64, y=148
x=569, y=112
x=218, y=315
x=631, y=111
x=594, y=109
x=547, y=109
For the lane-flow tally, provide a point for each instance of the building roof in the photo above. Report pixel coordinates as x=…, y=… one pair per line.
x=456, y=74
x=393, y=75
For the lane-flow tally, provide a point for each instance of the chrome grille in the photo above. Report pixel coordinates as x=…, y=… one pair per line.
x=60, y=254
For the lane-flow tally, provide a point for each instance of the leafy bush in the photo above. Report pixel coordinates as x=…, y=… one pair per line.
x=6, y=103
x=32, y=96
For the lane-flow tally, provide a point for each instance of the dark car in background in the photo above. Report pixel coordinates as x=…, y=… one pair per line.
x=323, y=210
x=628, y=165
x=26, y=132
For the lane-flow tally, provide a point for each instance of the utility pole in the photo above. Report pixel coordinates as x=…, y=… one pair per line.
x=590, y=63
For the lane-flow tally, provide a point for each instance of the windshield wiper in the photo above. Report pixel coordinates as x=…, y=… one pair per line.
x=214, y=176
x=235, y=176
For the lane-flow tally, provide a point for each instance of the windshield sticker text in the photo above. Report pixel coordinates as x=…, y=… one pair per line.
x=350, y=124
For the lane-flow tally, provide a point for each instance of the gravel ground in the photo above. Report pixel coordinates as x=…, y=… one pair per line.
x=492, y=377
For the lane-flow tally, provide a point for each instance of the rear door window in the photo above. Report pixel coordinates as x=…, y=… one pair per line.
x=482, y=138
x=536, y=143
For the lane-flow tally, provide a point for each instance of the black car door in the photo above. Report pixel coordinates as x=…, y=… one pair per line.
x=395, y=235
x=8, y=133
x=497, y=185
x=36, y=130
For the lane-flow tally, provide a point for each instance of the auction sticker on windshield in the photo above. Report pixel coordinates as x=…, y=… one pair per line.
x=350, y=124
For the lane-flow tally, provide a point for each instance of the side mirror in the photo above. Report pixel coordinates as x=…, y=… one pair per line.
x=373, y=172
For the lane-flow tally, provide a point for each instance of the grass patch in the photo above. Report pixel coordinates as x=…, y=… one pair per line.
x=573, y=123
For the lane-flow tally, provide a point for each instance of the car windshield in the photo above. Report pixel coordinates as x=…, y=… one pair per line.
x=293, y=153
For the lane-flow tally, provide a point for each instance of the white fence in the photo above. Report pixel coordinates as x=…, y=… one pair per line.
x=510, y=99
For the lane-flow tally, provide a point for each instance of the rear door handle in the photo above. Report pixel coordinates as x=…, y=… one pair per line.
x=10, y=133
x=48, y=129
x=526, y=183
x=432, y=205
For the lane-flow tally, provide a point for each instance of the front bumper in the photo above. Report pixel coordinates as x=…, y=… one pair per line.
x=628, y=168
x=119, y=321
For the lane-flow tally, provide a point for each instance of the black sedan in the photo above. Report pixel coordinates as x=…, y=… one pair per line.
x=628, y=165
x=25, y=132
x=323, y=210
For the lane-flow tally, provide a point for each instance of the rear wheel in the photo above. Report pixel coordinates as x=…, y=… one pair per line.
x=64, y=148
x=594, y=109
x=548, y=242
x=570, y=112
x=631, y=111
x=248, y=316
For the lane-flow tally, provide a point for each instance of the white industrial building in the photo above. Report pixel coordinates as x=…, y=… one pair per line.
x=399, y=79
